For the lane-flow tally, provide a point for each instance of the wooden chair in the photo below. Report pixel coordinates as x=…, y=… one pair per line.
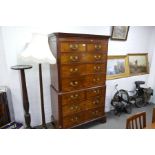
x=137, y=121
x=153, y=115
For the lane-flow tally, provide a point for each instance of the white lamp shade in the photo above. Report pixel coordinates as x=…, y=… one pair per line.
x=38, y=50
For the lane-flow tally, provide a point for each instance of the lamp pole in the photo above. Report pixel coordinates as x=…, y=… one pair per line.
x=41, y=96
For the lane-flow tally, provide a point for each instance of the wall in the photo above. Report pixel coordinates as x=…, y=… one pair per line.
x=4, y=76
x=151, y=79
x=3, y=69
x=14, y=39
x=138, y=41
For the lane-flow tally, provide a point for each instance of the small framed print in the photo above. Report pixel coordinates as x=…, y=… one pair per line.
x=117, y=67
x=119, y=32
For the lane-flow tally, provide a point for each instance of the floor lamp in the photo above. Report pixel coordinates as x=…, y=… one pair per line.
x=38, y=51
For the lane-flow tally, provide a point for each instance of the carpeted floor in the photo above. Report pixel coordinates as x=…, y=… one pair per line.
x=117, y=122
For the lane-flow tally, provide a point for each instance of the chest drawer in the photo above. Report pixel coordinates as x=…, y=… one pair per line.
x=96, y=57
x=99, y=46
x=69, y=58
x=95, y=68
x=96, y=80
x=72, y=97
x=94, y=113
x=73, y=70
x=73, y=120
x=72, y=84
x=72, y=47
x=73, y=108
x=73, y=58
x=81, y=69
x=94, y=102
x=95, y=92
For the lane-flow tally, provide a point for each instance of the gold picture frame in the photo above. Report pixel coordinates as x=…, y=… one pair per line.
x=117, y=67
x=138, y=64
x=119, y=32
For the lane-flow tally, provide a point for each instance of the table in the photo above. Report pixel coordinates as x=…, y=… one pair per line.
x=27, y=115
x=151, y=126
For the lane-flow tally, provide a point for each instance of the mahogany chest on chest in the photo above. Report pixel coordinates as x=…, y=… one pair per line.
x=78, y=78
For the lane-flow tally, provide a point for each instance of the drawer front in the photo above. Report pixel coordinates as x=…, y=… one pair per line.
x=72, y=84
x=96, y=80
x=72, y=97
x=96, y=57
x=95, y=92
x=100, y=46
x=73, y=70
x=72, y=58
x=81, y=69
x=95, y=68
x=72, y=47
x=95, y=113
x=73, y=108
x=73, y=120
x=94, y=102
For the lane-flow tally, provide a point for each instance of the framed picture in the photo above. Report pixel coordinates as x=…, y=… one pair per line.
x=117, y=67
x=138, y=64
x=119, y=32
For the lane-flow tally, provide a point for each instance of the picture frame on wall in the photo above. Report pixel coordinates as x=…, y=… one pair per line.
x=119, y=32
x=117, y=67
x=138, y=64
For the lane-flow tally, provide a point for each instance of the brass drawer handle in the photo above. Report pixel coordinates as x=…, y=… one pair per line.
x=96, y=102
x=98, y=46
x=74, y=83
x=74, y=58
x=74, y=107
x=73, y=70
x=74, y=119
x=97, y=57
x=74, y=96
x=97, y=68
x=71, y=108
x=73, y=46
x=95, y=112
x=96, y=91
x=96, y=79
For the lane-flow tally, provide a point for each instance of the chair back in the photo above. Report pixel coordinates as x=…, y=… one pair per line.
x=153, y=115
x=137, y=121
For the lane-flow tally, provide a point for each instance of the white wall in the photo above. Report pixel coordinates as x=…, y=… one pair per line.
x=151, y=79
x=14, y=39
x=3, y=69
x=138, y=41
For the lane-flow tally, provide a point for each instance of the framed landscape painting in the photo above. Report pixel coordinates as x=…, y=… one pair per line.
x=138, y=64
x=117, y=67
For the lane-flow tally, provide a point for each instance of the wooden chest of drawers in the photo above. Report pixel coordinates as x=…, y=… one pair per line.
x=4, y=110
x=78, y=78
